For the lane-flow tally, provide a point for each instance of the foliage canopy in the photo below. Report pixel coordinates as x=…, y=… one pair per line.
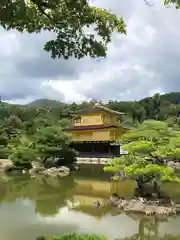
x=152, y=139
x=32, y=130
x=75, y=236
x=79, y=29
x=33, y=134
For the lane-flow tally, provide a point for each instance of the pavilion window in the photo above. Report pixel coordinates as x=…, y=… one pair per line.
x=77, y=120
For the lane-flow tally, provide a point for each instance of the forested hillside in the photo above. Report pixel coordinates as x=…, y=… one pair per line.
x=159, y=106
x=34, y=131
x=43, y=103
x=173, y=97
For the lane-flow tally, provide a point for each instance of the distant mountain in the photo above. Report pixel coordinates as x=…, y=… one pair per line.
x=44, y=103
x=172, y=97
x=4, y=104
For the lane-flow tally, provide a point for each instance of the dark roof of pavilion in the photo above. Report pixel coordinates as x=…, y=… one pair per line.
x=96, y=108
x=91, y=127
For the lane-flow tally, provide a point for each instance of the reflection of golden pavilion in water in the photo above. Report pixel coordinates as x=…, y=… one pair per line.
x=88, y=191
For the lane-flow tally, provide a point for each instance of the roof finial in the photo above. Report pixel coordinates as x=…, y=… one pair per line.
x=97, y=103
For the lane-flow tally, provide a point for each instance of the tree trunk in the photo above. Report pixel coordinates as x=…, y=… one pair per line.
x=147, y=188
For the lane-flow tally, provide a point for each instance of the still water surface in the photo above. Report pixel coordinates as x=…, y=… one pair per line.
x=33, y=207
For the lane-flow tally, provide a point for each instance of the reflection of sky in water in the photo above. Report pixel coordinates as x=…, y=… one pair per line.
x=19, y=221
x=111, y=226
x=170, y=227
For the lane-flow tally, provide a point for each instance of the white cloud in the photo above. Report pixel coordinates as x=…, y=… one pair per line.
x=128, y=72
x=137, y=65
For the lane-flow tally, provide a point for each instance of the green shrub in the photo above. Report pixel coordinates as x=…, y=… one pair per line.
x=74, y=236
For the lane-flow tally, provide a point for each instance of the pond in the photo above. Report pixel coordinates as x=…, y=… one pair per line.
x=33, y=207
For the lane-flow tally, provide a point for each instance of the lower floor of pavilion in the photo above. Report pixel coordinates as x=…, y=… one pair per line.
x=97, y=149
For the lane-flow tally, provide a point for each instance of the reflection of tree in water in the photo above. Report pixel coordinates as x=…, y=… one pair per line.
x=49, y=194
x=52, y=198
x=148, y=230
x=3, y=191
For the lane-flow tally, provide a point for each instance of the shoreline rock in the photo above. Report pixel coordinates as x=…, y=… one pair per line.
x=174, y=165
x=61, y=171
x=5, y=164
x=57, y=172
x=36, y=165
x=148, y=208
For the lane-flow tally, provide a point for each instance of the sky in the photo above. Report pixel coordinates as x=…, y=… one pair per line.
x=143, y=62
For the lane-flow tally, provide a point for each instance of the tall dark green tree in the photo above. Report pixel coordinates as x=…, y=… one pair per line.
x=53, y=142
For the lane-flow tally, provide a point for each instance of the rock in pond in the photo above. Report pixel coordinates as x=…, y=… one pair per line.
x=51, y=172
x=5, y=164
x=148, y=208
x=36, y=171
x=115, y=199
x=174, y=165
x=37, y=165
x=54, y=172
